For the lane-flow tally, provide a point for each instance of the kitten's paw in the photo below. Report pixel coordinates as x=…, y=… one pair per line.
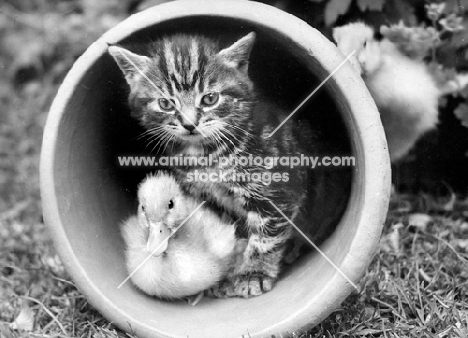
x=245, y=286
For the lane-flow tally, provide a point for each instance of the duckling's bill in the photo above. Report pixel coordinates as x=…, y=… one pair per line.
x=158, y=238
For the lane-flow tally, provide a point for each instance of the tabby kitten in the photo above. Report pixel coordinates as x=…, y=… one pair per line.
x=194, y=98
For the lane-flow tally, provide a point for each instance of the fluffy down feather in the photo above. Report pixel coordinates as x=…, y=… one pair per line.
x=403, y=89
x=197, y=256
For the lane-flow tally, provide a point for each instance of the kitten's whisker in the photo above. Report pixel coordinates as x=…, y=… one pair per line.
x=222, y=131
x=142, y=136
x=228, y=125
x=153, y=138
x=162, y=137
x=138, y=137
x=154, y=147
x=153, y=133
x=232, y=135
x=172, y=145
x=221, y=141
x=156, y=144
x=211, y=137
x=171, y=138
x=222, y=135
x=230, y=149
x=148, y=144
x=156, y=135
x=165, y=139
x=159, y=144
x=147, y=132
x=245, y=132
x=169, y=135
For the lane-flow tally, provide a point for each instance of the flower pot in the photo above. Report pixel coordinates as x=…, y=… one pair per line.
x=86, y=193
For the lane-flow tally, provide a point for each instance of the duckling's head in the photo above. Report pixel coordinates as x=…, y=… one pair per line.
x=162, y=207
x=353, y=37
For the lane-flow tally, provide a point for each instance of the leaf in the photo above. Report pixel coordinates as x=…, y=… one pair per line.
x=464, y=227
x=460, y=243
x=24, y=320
x=416, y=42
x=459, y=38
x=334, y=9
x=370, y=312
x=455, y=6
x=450, y=82
x=461, y=112
x=397, y=10
x=366, y=332
x=452, y=23
x=419, y=220
x=394, y=240
x=7, y=332
x=451, y=203
x=370, y=5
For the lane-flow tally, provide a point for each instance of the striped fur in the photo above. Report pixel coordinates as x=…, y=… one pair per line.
x=184, y=68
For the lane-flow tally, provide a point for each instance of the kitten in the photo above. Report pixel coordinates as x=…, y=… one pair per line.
x=403, y=89
x=195, y=98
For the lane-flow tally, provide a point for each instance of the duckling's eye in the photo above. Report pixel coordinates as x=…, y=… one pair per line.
x=143, y=208
x=364, y=44
x=171, y=204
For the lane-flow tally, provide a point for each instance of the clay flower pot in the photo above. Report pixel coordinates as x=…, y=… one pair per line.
x=86, y=193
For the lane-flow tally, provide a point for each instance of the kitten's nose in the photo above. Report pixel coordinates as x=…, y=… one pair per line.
x=189, y=127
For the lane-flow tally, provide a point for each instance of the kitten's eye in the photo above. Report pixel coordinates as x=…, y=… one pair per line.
x=364, y=44
x=210, y=99
x=143, y=208
x=166, y=105
x=171, y=204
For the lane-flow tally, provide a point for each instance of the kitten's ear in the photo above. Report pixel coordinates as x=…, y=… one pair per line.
x=237, y=55
x=128, y=62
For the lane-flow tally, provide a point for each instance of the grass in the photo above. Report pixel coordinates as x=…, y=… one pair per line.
x=416, y=285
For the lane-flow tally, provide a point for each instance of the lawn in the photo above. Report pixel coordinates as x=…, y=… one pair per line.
x=416, y=285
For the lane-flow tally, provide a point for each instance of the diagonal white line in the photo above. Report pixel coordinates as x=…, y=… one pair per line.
x=315, y=247
x=157, y=248
x=311, y=94
x=159, y=90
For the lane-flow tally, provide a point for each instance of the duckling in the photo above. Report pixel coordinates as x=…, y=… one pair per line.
x=404, y=91
x=195, y=257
